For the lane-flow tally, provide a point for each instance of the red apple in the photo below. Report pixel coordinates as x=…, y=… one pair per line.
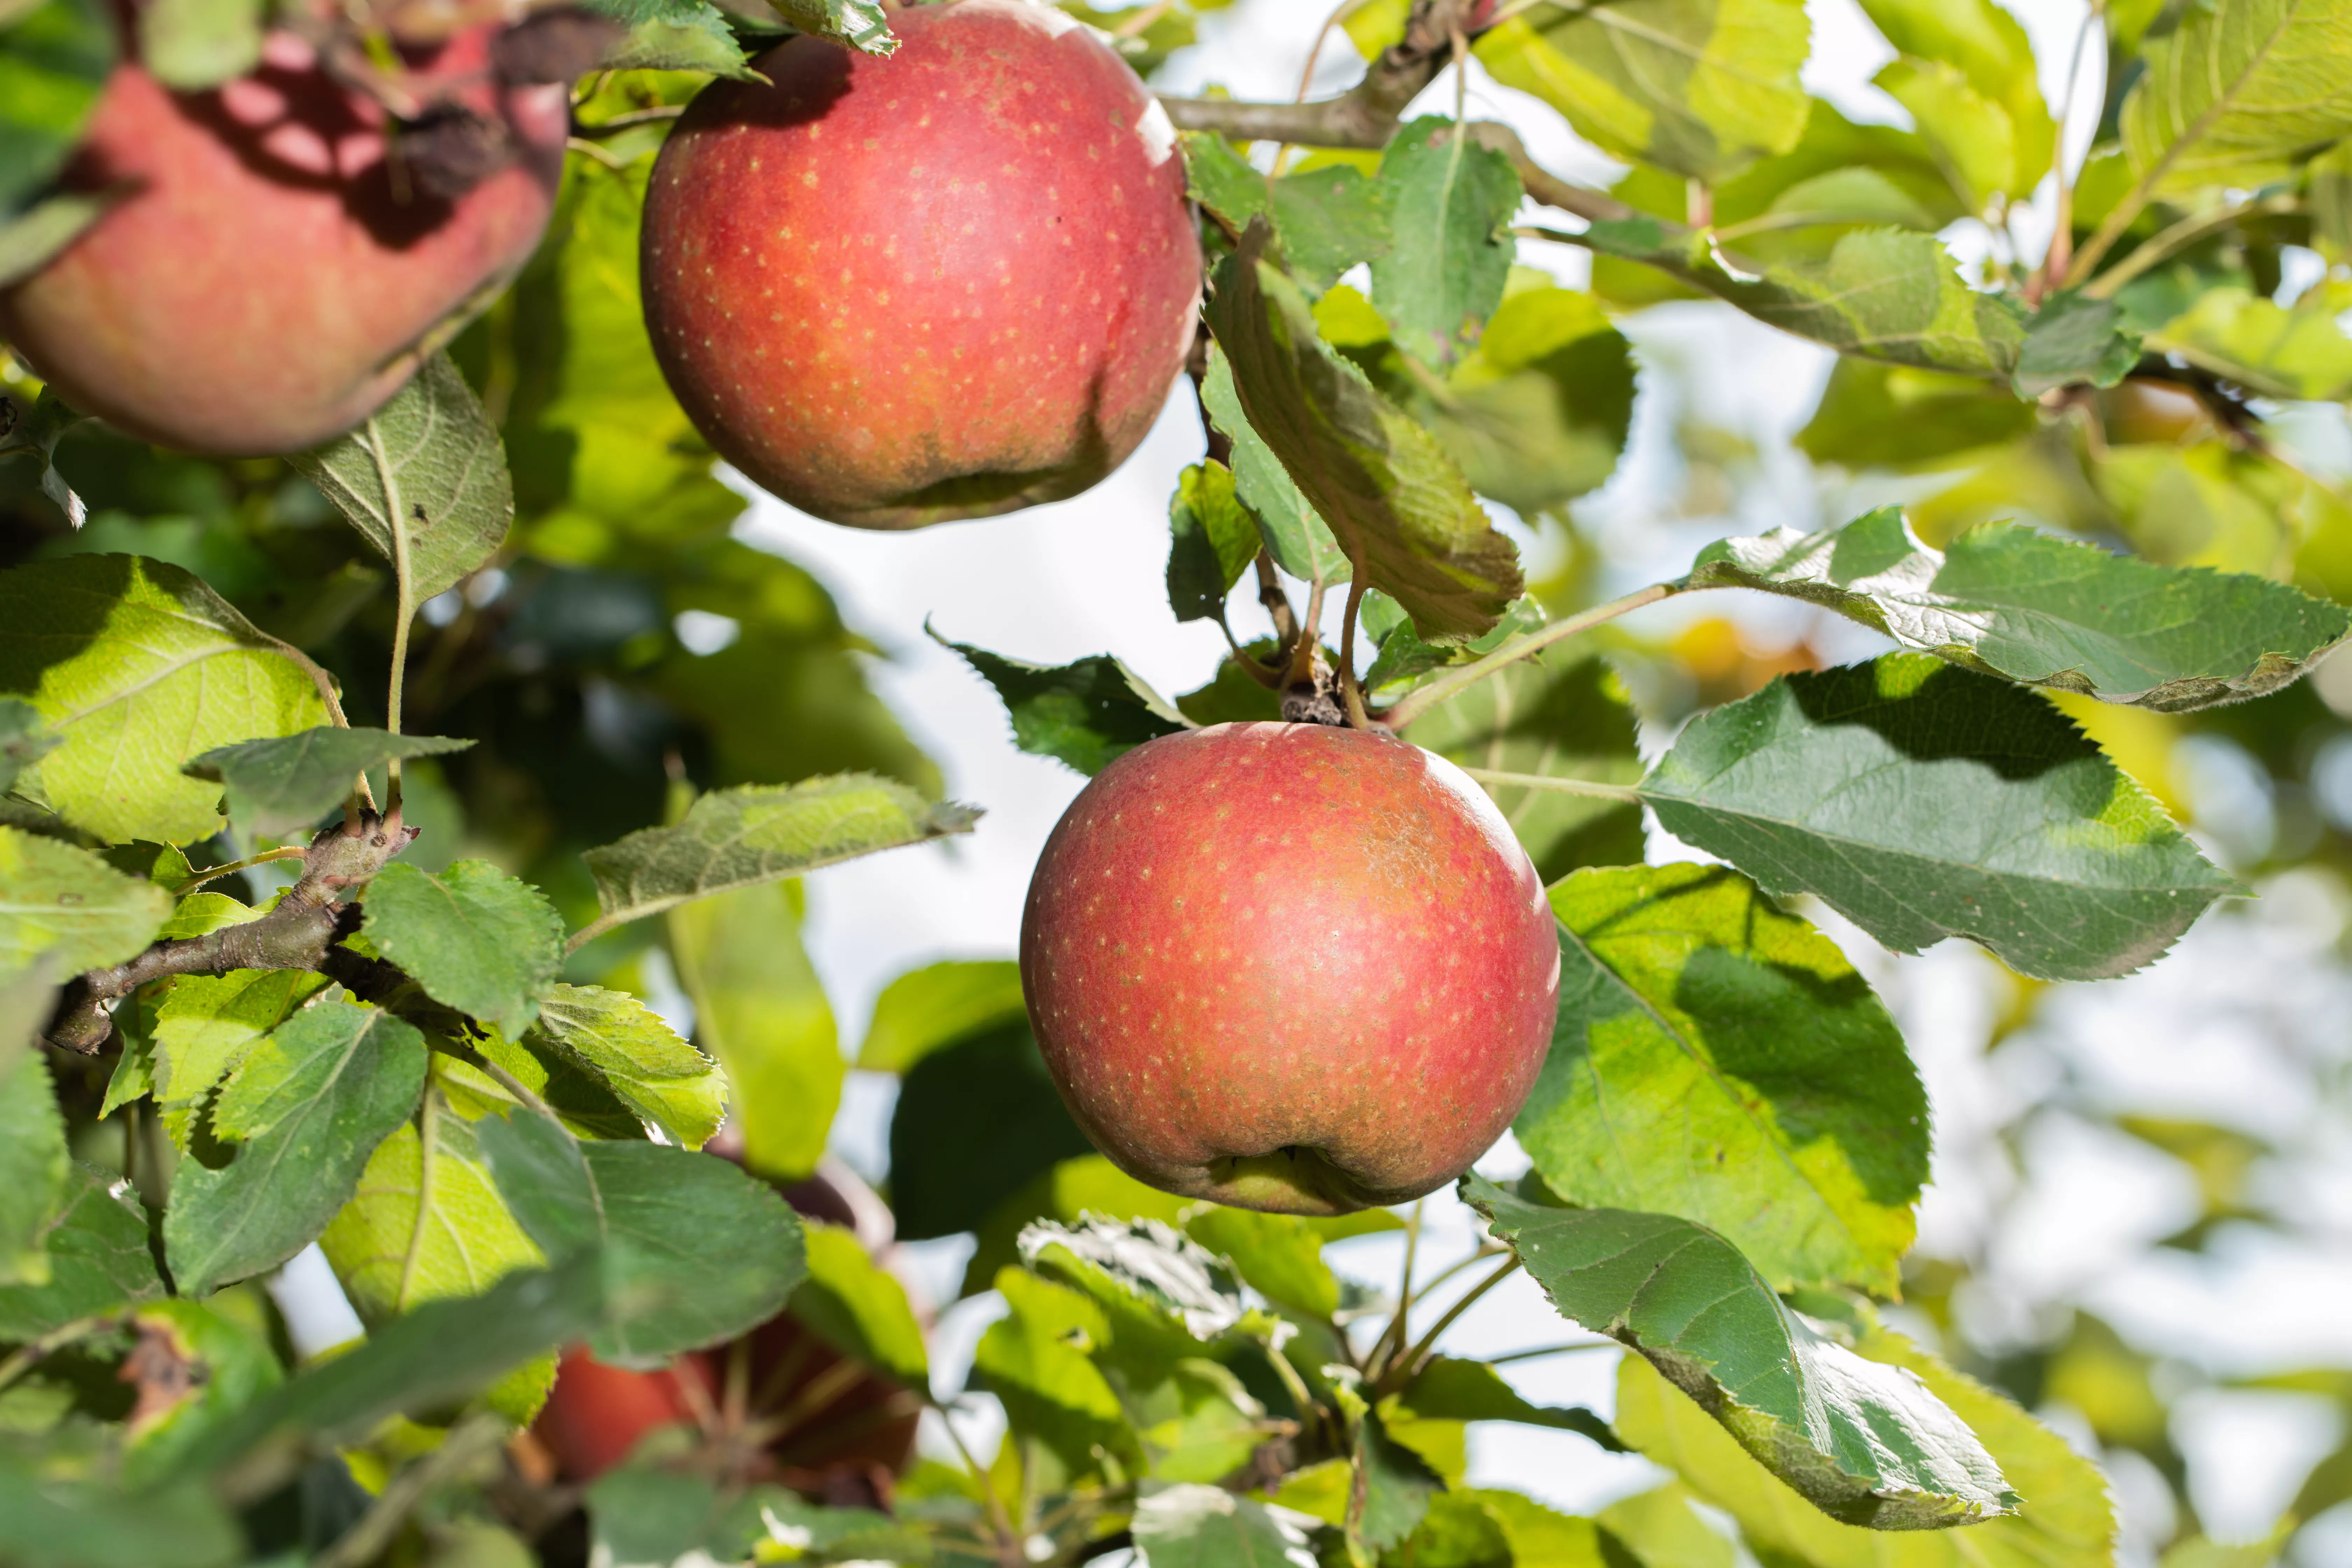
x=273, y=278
x=1289, y=967
x=950, y=283
x=777, y=1404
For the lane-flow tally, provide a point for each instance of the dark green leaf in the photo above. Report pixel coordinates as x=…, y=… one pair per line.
x=1390, y=492
x=423, y=479
x=625, y=1046
x=1087, y=714
x=62, y=1516
x=305, y=1110
x=285, y=785
x=1398, y=1485
x=477, y=939
x=1862, y=1443
x=1923, y=801
x=139, y=666
x=975, y=1122
x=763, y=833
x=2071, y=341
x=1558, y=714
x=442, y=1352
x=649, y=1517
x=1214, y=539
x=98, y=1261
x=1293, y=532
x=674, y=35
x=1701, y=1030
x=36, y=427
x=1451, y=1390
x=1195, y=1526
x=1451, y=201
x=1701, y=90
x=69, y=911
x=693, y=1251
x=863, y=25
x=33, y=1168
x=190, y=45
x=937, y=1005
x=2012, y=602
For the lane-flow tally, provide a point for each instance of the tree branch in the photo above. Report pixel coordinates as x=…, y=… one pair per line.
x=1366, y=115
x=300, y=933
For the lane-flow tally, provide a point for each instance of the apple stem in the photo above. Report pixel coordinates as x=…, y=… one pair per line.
x=1349, y=691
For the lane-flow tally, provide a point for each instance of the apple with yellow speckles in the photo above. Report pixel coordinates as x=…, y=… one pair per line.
x=949, y=283
x=274, y=267
x=1289, y=967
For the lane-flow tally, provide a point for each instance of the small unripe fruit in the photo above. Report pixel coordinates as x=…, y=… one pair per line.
x=1289, y=967
x=950, y=283
x=272, y=277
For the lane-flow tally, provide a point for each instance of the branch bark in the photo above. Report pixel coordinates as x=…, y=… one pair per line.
x=300, y=933
x=1366, y=115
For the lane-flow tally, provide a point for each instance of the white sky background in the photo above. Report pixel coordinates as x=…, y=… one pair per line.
x=2228, y=1029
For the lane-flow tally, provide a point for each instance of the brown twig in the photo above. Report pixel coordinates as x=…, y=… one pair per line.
x=300, y=933
x=1366, y=115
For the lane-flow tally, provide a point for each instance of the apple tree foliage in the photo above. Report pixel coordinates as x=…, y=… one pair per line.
x=355, y=801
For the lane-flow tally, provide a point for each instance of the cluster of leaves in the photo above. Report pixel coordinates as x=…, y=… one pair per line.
x=490, y=1136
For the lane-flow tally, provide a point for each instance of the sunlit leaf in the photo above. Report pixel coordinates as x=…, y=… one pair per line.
x=2234, y=92
x=35, y=1174
x=284, y=786
x=69, y=911
x=760, y=1009
x=1086, y=714
x=474, y=938
x=1451, y=201
x=627, y=1046
x=937, y=1005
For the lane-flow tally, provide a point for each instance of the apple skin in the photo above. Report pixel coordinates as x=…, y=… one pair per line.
x=1289, y=967
x=265, y=287
x=951, y=283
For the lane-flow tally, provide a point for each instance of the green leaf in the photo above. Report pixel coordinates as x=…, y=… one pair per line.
x=1391, y=494
x=474, y=938
x=1143, y=1270
x=1213, y=541
x=1561, y=714
x=210, y=1367
x=1325, y=219
x=30, y=242
x=1451, y=1390
x=1882, y=293
x=1073, y=1188
x=98, y=1259
x=1861, y=1442
x=54, y=60
x=1663, y=1530
x=1036, y=1360
x=1405, y=661
x=863, y=25
x=937, y=1005
x=191, y=45
x=1702, y=1030
x=1087, y=714
x=443, y=1352
x=2063, y=1519
x=1895, y=417
x=62, y=1514
x=1289, y=526
x=285, y=785
x=306, y=1109
x=849, y=1301
x=2012, y=602
x=625, y=1046
x=692, y=1250
x=760, y=1009
x=1973, y=135
x=673, y=36
x=208, y=1024
x=976, y=1121
x=38, y=428
x=646, y=1516
x=1451, y=201
x=1923, y=801
x=34, y=1169
x=139, y=666
x=1538, y=411
x=1280, y=1255
x=2073, y=340
x=2299, y=352
x=1195, y=1526
x=423, y=479
x=2232, y=94
x=763, y=833
x=1989, y=50
x=453, y=1223
x=69, y=911
x=23, y=742
x=1701, y=90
